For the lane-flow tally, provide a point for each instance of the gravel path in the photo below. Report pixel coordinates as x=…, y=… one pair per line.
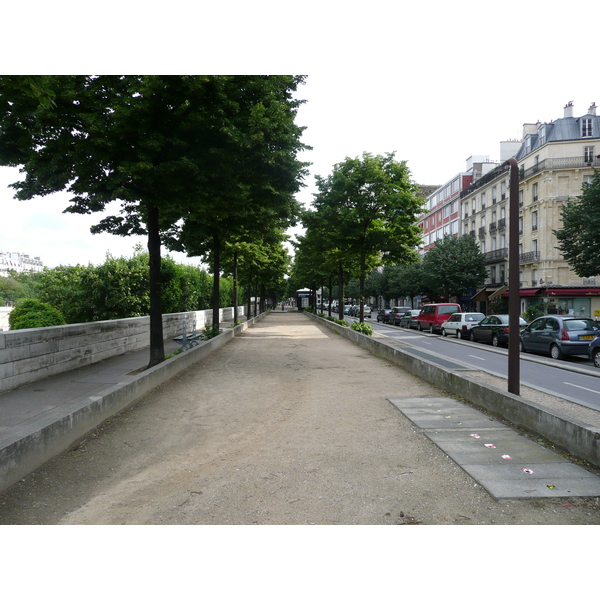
x=286, y=424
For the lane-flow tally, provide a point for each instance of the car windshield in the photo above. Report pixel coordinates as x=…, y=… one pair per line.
x=448, y=310
x=473, y=316
x=580, y=324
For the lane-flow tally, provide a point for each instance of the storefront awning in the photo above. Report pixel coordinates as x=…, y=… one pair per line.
x=592, y=291
x=524, y=293
x=487, y=293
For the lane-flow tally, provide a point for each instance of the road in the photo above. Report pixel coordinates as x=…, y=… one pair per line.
x=574, y=379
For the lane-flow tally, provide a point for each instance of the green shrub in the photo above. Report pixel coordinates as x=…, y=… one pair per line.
x=29, y=314
x=211, y=331
x=341, y=322
x=364, y=328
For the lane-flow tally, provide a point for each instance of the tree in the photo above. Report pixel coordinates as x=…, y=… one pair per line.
x=164, y=146
x=252, y=191
x=372, y=206
x=579, y=238
x=453, y=265
x=29, y=314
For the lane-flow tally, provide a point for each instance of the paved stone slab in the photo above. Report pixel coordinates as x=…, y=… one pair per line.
x=504, y=462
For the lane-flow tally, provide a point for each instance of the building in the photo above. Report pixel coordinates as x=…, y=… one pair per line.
x=443, y=204
x=15, y=261
x=555, y=159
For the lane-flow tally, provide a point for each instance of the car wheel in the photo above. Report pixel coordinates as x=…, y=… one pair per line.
x=494, y=340
x=419, y=327
x=444, y=333
x=459, y=335
x=596, y=358
x=555, y=352
x=472, y=336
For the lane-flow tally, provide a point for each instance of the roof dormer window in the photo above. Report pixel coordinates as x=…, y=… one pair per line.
x=586, y=128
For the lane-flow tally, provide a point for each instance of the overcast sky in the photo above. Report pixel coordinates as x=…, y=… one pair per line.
x=434, y=83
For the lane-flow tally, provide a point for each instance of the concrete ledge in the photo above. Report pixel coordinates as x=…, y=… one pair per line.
x=36, y=443
x=577, y=437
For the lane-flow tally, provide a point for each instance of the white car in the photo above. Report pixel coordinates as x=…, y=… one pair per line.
x=459, y=324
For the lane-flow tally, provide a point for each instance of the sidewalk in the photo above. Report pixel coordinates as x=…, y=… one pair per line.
x=45, y=408
x=286, y=423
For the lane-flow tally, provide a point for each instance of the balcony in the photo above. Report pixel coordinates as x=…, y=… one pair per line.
x=567, y=162
x=493, y=226
x=482, y=232
x=498, y=255
x=502, y=223
x=529, y=257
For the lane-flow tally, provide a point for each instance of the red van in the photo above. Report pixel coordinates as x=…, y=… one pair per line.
x=433, y=315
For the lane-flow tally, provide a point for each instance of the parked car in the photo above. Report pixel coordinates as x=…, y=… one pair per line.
x=366, y=312
x=409, y=316
x=347, y=309
x=594, y=352
x=383, y=315
x=433, y=316
x=494, y=330
x=396, y=314
x=559, y=336
x=459, y=324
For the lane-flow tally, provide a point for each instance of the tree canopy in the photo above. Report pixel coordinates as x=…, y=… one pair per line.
x=452, y=266
x=579, y=238
x=369, y=206
x=184, y=155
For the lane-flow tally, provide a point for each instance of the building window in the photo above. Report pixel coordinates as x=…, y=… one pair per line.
x=493, y=274
x=502, y=274
x=482, y=247
x=520, y=197
x=474, y=206
x=588, y=154
x=534, y=194
x=482, y=200
x=483, y=220
x=586, y=128
x=494, y=194
x=534, y=221
x=503, y=190
x=493, y=243
x=502, y=241
x=520, y=225
x=534, y=246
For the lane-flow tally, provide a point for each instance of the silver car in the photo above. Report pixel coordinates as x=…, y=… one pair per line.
x=559, y=336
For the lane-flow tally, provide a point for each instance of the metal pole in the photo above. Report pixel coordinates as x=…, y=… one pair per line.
x=514, y=360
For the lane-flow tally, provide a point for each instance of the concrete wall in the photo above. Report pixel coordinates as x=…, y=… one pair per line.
x=42, y=440
x=27, y=355
x=578, y=438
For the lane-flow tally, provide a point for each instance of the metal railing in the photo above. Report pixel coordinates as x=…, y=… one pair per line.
x=496, y=255
x=529, y=257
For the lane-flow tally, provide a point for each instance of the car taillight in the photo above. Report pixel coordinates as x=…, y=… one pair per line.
x=564, y=336
x=464, y=328
x=505, y=330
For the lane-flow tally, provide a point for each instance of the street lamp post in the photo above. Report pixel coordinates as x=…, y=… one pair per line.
x=514, y=364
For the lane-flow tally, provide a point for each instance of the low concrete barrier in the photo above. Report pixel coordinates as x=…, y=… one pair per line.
x=47, y=437
x=28, y=355
x=578, y=438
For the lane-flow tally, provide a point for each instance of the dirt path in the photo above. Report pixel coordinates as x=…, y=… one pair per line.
x=286, y=424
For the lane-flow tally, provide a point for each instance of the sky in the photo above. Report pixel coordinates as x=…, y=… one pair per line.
x=434, y=83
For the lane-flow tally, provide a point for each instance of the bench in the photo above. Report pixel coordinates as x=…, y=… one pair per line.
x=188, y=340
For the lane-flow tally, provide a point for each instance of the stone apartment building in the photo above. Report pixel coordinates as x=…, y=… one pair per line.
x=555, y=159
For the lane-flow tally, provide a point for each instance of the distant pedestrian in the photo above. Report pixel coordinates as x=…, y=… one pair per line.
x=282, y=306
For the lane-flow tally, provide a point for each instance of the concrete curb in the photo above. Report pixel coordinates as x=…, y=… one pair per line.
x=578, y=438
x=34, y=445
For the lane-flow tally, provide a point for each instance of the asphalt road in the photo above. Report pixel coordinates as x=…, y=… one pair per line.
x=574, y=379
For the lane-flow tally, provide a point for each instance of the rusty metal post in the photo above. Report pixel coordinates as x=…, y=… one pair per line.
x=514, y=360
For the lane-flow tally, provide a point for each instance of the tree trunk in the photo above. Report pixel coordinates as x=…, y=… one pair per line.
x=330, y=287
x=157, y=346
x=216, y=300
x=235, y=288
x=363, y=268
x=341, y=292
